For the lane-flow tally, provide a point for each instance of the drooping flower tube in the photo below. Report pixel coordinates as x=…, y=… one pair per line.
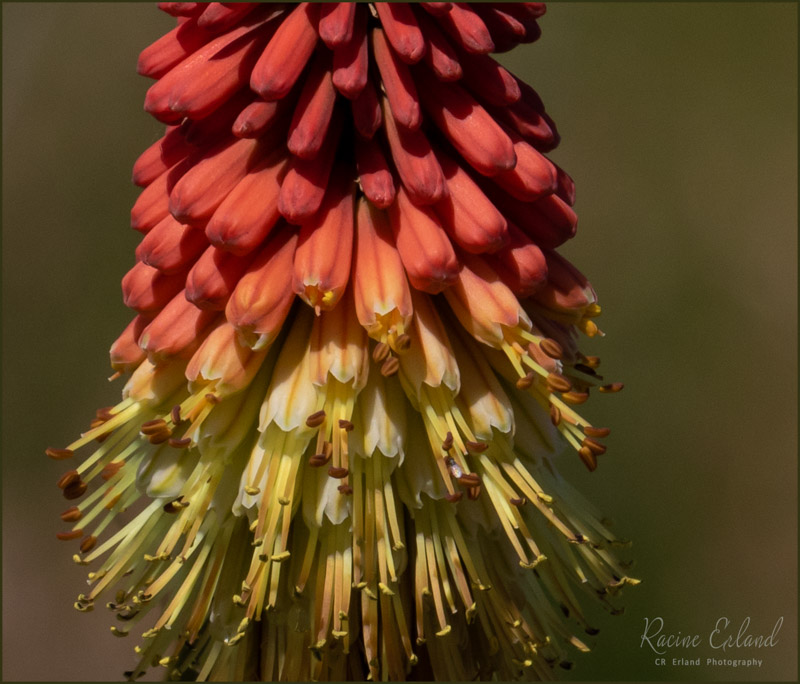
x=354, y=359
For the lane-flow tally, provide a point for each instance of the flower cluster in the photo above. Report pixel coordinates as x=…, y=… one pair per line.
x=353, y=361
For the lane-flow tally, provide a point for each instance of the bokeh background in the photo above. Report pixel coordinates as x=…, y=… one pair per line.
x=679, y=125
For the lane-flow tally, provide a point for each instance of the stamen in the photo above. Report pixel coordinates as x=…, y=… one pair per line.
x=68, y=536
x=59, y=454
x=555, y=415
x=346, y=425
x=590, y=431
x=381, y=352
x=315, y=419
x=611, y=388
x=447, y=444
x=476, y=446
x=180, y=443
x=402, y=343
x=75, y=490
x=454, y=497
x=575, y=398
x=390, y=366
x=558, y=383
x=88, y=544
x=212, y=398
x=517, y=501
x=111, y=469
x=588, y=458
x=468, y=480
x=72, y=514
x=152, y=427
x=338, y=473
x=596, y=447
x=68, y=478
x=525, y=382
x=552, y=348
x=175, y=414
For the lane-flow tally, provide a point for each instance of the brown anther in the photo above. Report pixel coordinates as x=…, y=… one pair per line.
x=526, y=381
x=476, y=446
x=592, y=361
x=68, y=478
x=575, y=398
x=469, y=480
x=175, y=414
x=160, y=437
x=72, y=514
x=454, y=497
x=448, y=442
x=517, y=501
x=552, y=348
x=315, y=419
x=68, y=536
x=104, y=413
x=212, y=398
x=113, y=501
x=173, y=506
x=180, y=443
x=75, y=490
x=59, y=454
x=338, y=473
x=88, y=543
x=96, y=422
x=111, y=469
x=590, y=431
x=318, y=460
x=345, y=489
x=402, y=343
x=596, y=447
x=555, y=415
x=390, y=366
x=583, y=368
x=380, y=352
x=558, y=383
x=610, y=388
x=473, y=493
x=151, y=427
x=346, y=425
x=588, y=458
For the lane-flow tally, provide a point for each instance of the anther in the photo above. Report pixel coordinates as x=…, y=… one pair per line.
x=590, y=431
x=212, y=398
x=612, y=387
x=455, y=497
x=402, y=343
x=72, y=514
x=111, y=469
x=319, y=460
x=338, y=473
x=596, y=447
x=588, y=458
x=469, y=480
x=476, y=446
x=473, y=493
x=525, y=382
x=592, y=361
x=75, y=490
x=380, y=352
x=68, y=536
x=575, y=398
x=517, y=501
x=390, y=366
x=88, y=544
x=97, y=422
x=184, y=443
x=346, y=425
x=552, y=348
x=252, y=491
x=152, y=427
x=558, y=383
x=104, y=413
x=175, y=414
x=555, y=415
x=59, y=454
x=448, y=441
x=68, y=478
x=160, y=437
x=315, y=419
x=173, y=506
x=345, y=489
x=583, y=368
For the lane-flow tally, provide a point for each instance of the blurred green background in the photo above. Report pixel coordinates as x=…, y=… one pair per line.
x=679, y=125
